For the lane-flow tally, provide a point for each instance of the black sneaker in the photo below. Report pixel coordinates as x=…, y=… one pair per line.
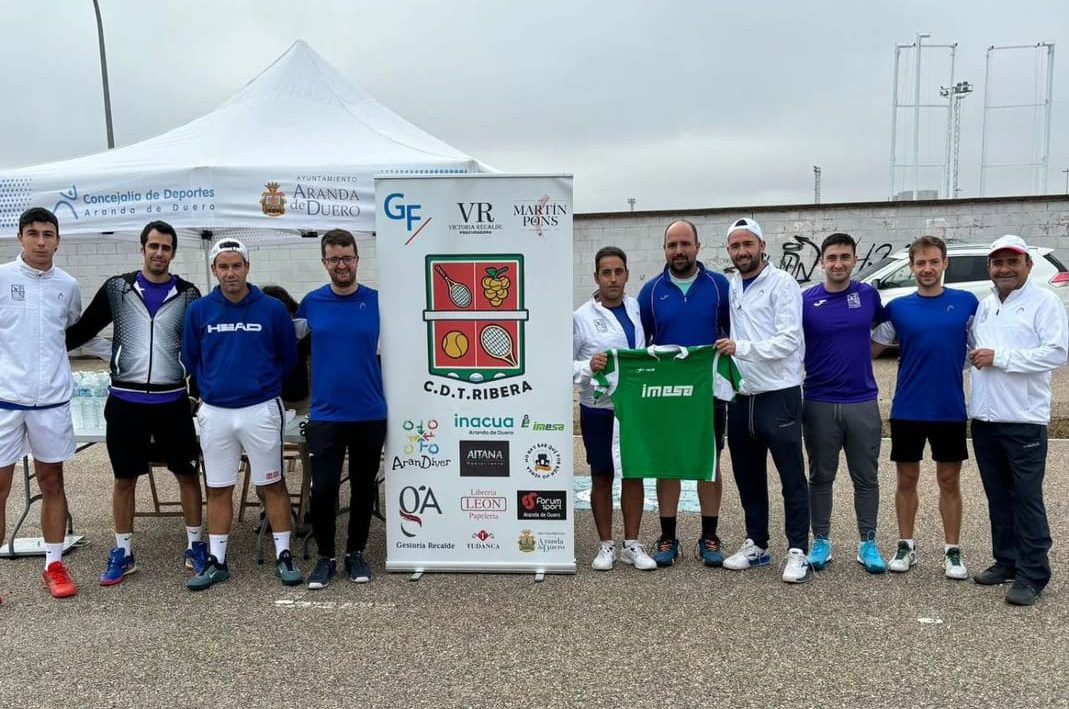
x=359, y=571
x=325, y=570
x=1021, y=594
x=994, y=575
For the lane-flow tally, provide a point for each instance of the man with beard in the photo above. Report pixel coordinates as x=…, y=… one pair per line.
x=931, y=326
x=686, y=304
x=348, y=414
x=839, y=408
x=766, y=341
x=147, y=412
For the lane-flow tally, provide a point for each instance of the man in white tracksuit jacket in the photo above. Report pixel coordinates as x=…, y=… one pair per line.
x=609, y=320
x=37, y=303
x=766, y=417
x=1020, y=336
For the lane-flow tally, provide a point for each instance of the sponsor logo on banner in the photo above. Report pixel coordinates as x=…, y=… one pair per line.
x=484, y=425
x=527, y=541
x=160, y=200
x=542, y=504
x=540, y=215
x=484, y=459
x=415, y=505
x=326, y=195
x=476, y=321
x=476, y=219
x=421, y=449
x=540, y=425
x=396, y=208
x=483, y=504
x=483, y=540
x=273, y=200
x=542, y=460
x=550, y=542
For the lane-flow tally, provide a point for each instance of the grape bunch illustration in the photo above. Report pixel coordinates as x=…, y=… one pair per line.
x=496, y=285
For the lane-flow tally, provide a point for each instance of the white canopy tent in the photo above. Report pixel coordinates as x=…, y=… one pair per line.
x=294, y=151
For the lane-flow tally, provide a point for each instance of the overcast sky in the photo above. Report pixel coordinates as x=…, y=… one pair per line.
x=677, y=104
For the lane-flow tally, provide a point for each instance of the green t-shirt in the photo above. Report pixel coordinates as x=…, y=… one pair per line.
x=663, y=403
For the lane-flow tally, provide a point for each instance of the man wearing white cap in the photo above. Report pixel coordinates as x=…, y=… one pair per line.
x=1020, y=334
x=239, y=345
x=766, y=416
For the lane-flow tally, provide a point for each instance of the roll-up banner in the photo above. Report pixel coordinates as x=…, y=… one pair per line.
x=475, y=277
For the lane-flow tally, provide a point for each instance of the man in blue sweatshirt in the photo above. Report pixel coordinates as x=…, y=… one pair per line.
x=687, y=305
x=239, y=345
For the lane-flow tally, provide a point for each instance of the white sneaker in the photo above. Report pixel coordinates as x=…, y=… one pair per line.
x=636, y=556
x=606, y=557
x=904, y=557
x=953, y=566
x=797, y=569
x=748, y=555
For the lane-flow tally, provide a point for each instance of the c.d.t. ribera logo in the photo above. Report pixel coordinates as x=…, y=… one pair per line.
x=541, y=504
x=484, y=459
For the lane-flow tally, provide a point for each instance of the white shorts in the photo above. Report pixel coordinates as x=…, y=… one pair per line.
x=46, y=433
x=226, y=433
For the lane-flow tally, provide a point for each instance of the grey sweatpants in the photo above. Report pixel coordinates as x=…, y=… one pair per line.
x=855, y=429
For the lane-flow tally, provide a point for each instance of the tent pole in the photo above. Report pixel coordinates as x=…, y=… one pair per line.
x=206, y=242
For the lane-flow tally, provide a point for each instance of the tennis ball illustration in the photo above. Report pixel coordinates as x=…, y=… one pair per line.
x=455, y=344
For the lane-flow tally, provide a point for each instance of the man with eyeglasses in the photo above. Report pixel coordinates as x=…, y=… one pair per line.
x=348, y=413
x=239, y=345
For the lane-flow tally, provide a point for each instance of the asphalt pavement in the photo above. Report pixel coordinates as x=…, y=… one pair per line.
x=678, y=637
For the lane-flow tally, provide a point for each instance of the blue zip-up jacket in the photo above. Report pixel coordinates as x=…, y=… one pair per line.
x=700, y=317
x=239, y=353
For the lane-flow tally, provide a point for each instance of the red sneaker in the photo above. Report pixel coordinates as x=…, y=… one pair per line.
x=58, y=581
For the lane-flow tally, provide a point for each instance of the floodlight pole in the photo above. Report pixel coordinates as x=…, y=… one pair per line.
x=917, y=117
x=104, y=77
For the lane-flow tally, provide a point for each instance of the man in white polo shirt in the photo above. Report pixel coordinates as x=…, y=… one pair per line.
x=1020, y=335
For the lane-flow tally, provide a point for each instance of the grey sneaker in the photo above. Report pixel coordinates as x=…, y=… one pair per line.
x=214, y=572
x=286, y=570
x=904, y=558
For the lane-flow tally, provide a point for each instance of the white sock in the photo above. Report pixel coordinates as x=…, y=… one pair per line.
x=122, y=541
x=910, y=542
x=193, y=534
x=282, y=542
x=53, y=552
x=608, y=543
x=217, y=546
x=948, y=547
x=630, y=543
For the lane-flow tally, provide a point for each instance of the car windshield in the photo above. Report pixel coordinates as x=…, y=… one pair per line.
x=871, y=268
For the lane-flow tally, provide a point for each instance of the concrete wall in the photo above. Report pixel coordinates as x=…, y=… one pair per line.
x=792, y=233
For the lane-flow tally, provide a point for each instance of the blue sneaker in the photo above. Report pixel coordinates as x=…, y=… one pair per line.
x=119, y=565
x=820, y=554
x=197, y=557
x=710, y=551
x=667, y=551
x=869, y=557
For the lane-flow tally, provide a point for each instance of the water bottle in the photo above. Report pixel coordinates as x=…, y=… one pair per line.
x=80, y=414
x=99, y=399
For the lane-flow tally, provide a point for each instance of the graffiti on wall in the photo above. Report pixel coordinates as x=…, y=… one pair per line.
x=801, y=257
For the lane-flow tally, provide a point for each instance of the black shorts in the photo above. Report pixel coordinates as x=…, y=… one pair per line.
x=596, y=426
x=947, y=439
x=142, y=433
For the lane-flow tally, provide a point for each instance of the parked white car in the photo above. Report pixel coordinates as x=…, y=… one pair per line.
x=967, y=270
